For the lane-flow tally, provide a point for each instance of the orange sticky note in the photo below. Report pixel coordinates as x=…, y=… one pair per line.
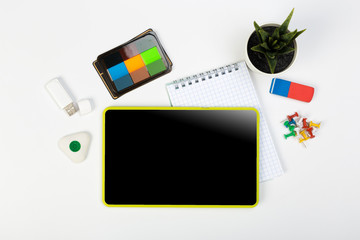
x=134, y=63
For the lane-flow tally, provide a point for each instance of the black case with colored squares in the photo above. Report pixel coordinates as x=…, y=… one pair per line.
x=133, y=64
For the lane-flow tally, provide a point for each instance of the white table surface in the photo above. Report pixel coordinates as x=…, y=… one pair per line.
x=45, y=196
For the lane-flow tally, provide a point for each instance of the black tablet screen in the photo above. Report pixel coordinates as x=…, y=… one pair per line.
x=180, y=157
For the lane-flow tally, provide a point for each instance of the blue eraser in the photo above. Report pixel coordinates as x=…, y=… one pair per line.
x=280, y=87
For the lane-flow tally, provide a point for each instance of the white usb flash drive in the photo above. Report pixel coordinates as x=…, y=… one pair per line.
x=64, y=101
x=61, y=96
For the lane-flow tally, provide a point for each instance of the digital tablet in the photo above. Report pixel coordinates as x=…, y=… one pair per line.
x=180, y=157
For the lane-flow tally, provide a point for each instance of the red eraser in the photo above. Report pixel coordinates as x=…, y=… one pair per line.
x=291, y=90
x=301, y=92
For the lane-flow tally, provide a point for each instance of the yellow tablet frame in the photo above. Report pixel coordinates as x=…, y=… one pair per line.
x=182, y=108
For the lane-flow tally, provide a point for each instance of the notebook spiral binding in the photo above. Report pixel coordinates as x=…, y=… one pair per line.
x=182, y=82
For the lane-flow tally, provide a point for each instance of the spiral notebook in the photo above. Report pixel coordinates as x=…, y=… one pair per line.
x=228, y=86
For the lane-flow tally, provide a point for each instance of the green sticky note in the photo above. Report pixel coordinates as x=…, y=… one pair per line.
x=150, y=56
x=156, y=67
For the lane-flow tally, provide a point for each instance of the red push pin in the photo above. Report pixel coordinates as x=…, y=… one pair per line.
x=292, y=116
x=305, y=124
x=309, y=130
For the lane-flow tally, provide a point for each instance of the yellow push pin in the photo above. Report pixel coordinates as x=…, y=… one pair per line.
x=314, y=125
x=303, y=139
x=302, y=133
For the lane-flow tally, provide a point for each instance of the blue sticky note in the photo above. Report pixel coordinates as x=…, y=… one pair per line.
x=123, y=82
x=118, y=71
x=280, y=87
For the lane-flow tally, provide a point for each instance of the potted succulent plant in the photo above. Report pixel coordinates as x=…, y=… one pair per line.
x=271, y=48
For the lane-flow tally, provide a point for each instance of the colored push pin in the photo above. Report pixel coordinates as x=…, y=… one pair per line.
x=305, y=124
x=314, y=125
x=292, y=128
x=302, y=140
x=292, y=116
x=292, y=122
x=292, y=134
x=305, y=138
x=309, y=130
x=286, y=124
x=302, y=133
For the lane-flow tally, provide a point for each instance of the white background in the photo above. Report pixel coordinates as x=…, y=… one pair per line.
x=46, y=196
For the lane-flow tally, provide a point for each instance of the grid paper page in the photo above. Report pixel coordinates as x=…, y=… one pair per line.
x=229, y=86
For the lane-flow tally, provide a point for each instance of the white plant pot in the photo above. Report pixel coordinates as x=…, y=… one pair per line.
x=254, y=69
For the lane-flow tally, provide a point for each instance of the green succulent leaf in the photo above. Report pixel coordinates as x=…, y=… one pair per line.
x=257, y=29
x=271, y=55
x=284, y=27
x=264, y=35
x=286, y=50
x=298, y=33
x=274, y=44
x=270, y=41
x=276, y=34
x=272, y=63
x=259, y=48
x=288, y=37
x=276, y=47
x=265, y=45
x=281, y=45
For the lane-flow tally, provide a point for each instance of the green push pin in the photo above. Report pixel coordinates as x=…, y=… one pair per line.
x=293, y=134
x=291, y=128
